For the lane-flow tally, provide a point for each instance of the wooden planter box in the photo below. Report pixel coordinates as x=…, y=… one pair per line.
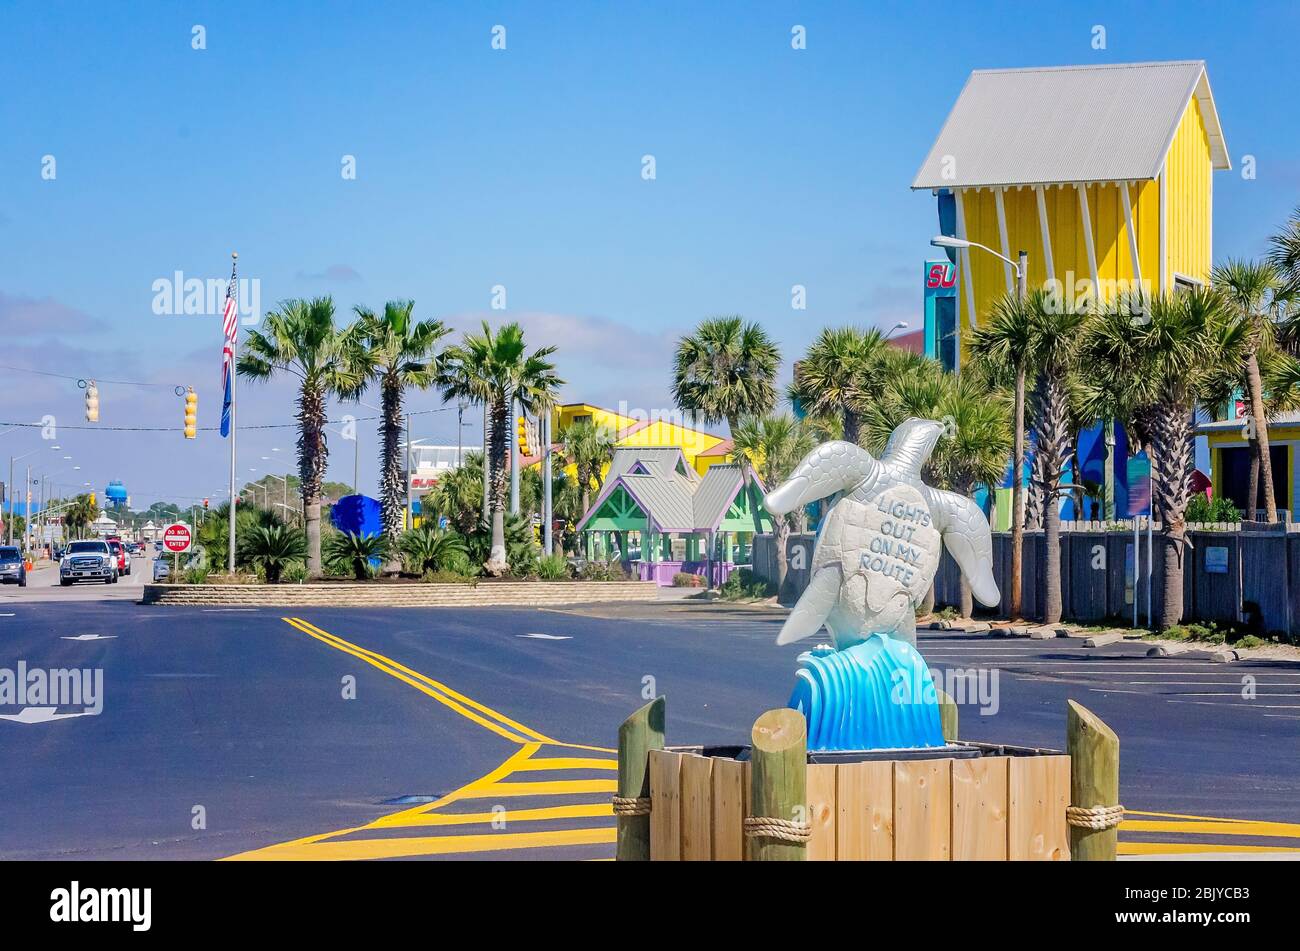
x=965, y=801
x=996, y=805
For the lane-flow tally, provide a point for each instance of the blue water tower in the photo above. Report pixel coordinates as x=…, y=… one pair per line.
x=116, y=494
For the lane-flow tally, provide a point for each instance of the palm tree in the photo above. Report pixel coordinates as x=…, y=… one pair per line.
x=1155, y=373
x=349, y=551
x=272, y=548
x=399, y=352
x=79, y=515
x=1053, y=353
x=1252, y=288
x=589, y=447
x=431, y=549
x=1000, y=350
x=774, y=445
x=724, y=371
x=834, y=375
x=459, y=494
x=495, y=369
x=301, y=339
x=1284, y=249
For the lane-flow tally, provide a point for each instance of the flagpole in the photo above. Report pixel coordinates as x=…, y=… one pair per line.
x=234, y=348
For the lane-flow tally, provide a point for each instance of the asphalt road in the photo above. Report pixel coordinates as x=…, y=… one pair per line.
x=389, y=733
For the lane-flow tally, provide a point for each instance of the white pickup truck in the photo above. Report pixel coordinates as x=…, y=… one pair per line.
x=88, y=561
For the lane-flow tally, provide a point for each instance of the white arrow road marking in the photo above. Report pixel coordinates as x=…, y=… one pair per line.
x=547, y=637
x=41, y=715
x=90, y=637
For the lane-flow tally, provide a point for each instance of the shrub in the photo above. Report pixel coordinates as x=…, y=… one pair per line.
x=271, y=548
x=1218, y=509
x=429, y=548
x=553, y=568
x=602, y=571
x=294, y=573
x=684, y=579
x=196, y=576
x=353, y=552
x=743, y=585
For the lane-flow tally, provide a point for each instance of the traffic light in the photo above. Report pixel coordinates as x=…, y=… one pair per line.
x=92, y=500
x=205, y=505
x=191, y=413
x=92, y=402
x=523, y=436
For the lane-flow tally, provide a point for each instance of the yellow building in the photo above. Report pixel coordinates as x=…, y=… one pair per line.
x=1230, y=461
x=634, y=431
x=1102, y=174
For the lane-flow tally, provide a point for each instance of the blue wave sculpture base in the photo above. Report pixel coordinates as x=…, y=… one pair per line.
x=873, y=695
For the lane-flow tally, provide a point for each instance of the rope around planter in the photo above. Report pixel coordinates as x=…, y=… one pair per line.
x=782, y=829
x=1096, y=817
x=631, y=806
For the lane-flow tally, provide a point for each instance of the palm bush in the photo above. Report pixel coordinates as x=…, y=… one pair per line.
x=354, y=552
x=431, y=549
x=272, y=548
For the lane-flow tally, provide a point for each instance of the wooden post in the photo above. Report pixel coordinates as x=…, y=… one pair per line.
x=640, y=733
x=779, y=781
x=947, y=715
x=1094, y=780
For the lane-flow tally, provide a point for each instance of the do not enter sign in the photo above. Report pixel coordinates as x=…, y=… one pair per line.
x=176, y=538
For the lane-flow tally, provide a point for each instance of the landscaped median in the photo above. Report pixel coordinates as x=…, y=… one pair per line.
x=485, y=593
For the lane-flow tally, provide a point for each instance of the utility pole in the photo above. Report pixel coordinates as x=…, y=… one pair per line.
x=514, y=457
x=410, y=501
x=547, y=517
x=1017, y=476
x=487, y=467
x=9, y=487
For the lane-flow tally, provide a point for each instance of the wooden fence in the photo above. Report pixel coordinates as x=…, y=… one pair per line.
x=976, y=801
x=1233, y=573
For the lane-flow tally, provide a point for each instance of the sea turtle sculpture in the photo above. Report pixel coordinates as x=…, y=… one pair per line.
x=875, y=557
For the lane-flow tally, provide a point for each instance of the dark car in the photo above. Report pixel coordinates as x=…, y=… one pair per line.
x=12, y=567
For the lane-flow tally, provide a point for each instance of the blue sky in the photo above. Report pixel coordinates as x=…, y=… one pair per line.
x=478, y=167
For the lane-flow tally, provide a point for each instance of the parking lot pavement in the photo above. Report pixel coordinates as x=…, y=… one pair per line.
x=1265, y=687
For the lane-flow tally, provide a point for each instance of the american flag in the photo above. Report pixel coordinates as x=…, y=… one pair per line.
x=229, y=328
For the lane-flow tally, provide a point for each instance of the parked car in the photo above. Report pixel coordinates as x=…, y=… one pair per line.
x=160, y=569
x=12, y=567
x=88, y=561
x=123, y=560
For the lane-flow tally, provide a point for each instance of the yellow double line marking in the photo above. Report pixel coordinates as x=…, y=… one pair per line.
x=472, y=710
x=1172, y=823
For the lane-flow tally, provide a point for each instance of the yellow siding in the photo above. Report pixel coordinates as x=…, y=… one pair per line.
x=692, y=442
x=1069, y=248
x=1189, y=167
x=1188, y=250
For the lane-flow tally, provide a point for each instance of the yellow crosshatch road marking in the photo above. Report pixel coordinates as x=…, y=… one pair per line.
x=592, y=787
x=588, y=784
x=1185, y=826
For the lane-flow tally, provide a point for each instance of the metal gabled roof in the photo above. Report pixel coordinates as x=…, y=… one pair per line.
x=659, y=460
x=1057, y=125
x=714, y=496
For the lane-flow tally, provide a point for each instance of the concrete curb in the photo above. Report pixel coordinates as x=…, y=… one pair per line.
x=486, y=594
x=1101, y=640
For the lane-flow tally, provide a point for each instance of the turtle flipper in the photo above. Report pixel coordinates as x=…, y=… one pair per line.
x=969, y=540
x=813, y=606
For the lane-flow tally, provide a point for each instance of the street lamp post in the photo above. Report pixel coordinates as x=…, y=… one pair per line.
x=1021, y=267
